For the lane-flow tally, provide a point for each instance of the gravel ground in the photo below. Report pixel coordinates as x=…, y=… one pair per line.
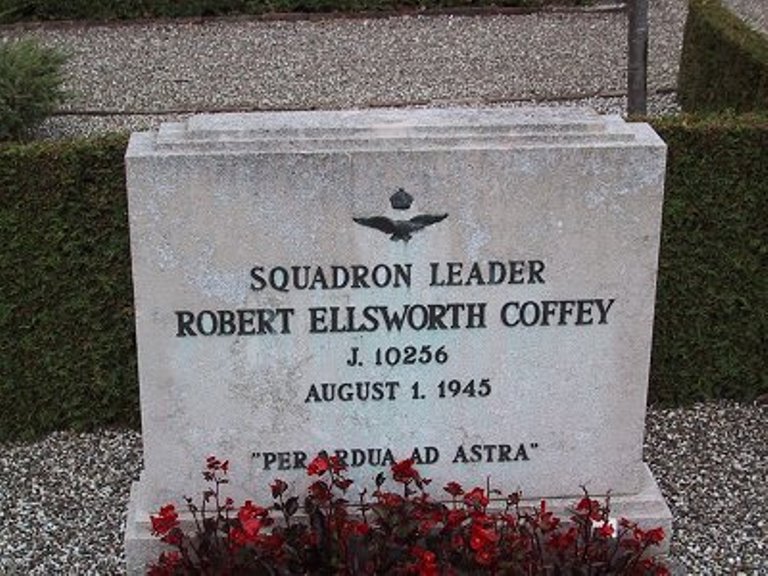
x=63, y=499
x=711, y=461
x=75, y=126
x=753, y=12
x=128, y=74
x=63, y=502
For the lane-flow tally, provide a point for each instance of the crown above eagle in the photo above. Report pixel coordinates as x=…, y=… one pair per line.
x=401, y=200
x=400, y=229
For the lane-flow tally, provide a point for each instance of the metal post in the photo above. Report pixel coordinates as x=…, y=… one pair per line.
x=637, y=66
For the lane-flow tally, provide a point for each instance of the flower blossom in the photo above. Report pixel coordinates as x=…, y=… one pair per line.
x=318, y=466
x=404, y=471
x=476, y=498
x=454, y=489
x=165, y=521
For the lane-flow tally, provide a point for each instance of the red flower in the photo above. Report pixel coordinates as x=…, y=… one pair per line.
x=238, y=538
x=389, y=499
x=508, y=519
x=547, y=520
x=427, y=562
x=250, y=510
x=624, y=523
x=478, y=539
x=484, y=557
x=590, y=508
x=455, y=518
x=641, y=539
x=454, y=489
x=457, y=541
x=278, y=488
x=562, y=542
x=319, y=491
x=404, y=471
x=251, y=527
x=166, y=520
x=273, y=542
x=653, y=536
x=174, y=537
x=476, y=497
x=318, y=466
x=482, y=537
x=251, y=521
x=167, y=564
x=606, y=530
x=213, y=464
x=355, y=528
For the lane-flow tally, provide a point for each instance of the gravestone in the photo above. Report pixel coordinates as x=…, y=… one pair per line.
x=473, y=288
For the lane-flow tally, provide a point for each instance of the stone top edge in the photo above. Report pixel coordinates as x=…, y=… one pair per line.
x=392, y=118
x=406, y=127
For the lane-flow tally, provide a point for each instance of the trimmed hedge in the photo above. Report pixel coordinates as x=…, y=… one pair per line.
x=711, y=332
x=67, y=355
x=724, y=63
x=20, y=10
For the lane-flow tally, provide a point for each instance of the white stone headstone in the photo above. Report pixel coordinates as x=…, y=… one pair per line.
x=471, y=287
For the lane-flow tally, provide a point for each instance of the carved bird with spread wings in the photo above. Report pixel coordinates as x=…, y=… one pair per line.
x=401, y=229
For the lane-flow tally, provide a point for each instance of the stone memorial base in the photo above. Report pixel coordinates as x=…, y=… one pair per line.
x=471, y=288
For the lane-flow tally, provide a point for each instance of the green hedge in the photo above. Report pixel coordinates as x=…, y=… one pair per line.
x=711, y=332
x=66, y=321
x=724, y=63
x=66, y=324
x=18, y=10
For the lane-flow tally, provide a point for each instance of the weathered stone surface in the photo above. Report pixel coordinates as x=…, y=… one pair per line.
x=269, y=283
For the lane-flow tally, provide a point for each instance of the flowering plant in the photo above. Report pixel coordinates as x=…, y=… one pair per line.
x=396, y=532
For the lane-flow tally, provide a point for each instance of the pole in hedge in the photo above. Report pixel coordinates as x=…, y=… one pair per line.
x=637, y=66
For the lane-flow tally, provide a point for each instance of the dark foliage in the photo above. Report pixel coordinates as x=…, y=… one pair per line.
x=19, y=10
x=404, y=532
x=724, y=65
x=30, y=87
x=66, y=320
x=711, y=332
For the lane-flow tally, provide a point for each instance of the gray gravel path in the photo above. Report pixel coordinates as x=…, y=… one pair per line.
x=63, y=499
x=88, y=125
x=711, y=461
x=125, y=71
x=753, y=12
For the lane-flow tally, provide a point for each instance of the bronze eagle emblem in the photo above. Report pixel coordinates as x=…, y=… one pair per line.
x=401, y=229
